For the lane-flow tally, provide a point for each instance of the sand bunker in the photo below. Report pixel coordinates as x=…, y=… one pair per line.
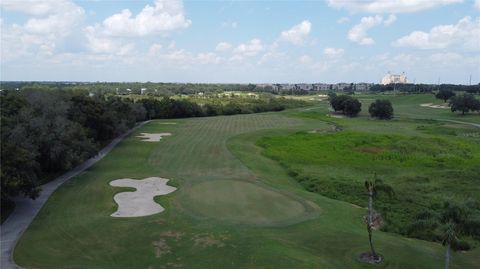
x=152, y=137
x=335, y=116
x=167, y=123
x=434, y=106
x=140, y=203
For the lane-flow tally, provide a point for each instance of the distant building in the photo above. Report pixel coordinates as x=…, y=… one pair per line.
x=323, y=87
x=304, y=86
x=363, y=87
x=394, y=79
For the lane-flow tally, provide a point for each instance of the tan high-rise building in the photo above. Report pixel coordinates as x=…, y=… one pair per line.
x=394, y=79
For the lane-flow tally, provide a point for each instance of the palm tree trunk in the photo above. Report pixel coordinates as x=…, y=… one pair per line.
x=447, y=256
x=370, y=223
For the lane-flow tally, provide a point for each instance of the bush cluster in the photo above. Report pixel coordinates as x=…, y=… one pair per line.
x=348, y=105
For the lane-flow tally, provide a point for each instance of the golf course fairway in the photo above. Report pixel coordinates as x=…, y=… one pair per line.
x=233, y=208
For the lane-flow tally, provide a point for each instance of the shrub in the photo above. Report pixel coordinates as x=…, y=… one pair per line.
x=444, y=94
x=381, y=109
x=351, y=107
x=348, y=105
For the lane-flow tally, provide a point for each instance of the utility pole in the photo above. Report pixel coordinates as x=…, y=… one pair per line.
x=470, y=81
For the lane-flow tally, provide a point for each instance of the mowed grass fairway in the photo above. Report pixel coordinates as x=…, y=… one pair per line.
x=234, y=207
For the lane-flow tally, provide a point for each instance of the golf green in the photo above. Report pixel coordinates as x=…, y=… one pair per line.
x=244, y=202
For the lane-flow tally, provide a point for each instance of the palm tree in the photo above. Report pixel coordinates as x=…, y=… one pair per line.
x=373, y=188
x=458, y=219
x=449, y=238
x=452, y=221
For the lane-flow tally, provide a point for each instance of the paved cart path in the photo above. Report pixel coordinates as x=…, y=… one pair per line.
x=26, y=209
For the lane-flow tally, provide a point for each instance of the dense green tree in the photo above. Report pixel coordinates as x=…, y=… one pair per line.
x=347, y=104
x=336, y=102
x=464, y=103
x=444, y=94
x=381, y=109
x=351, y=107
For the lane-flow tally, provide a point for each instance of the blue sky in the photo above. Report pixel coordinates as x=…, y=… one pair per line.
x=240, y=41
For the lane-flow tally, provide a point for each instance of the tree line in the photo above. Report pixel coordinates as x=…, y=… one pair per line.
x=425, y=88
x=170, y=89
x=48, y=131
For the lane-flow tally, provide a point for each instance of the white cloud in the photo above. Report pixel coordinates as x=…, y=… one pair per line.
x=155, y=49
x=208, y=58
x=446, y=57
x=465, y=34
x=389, y=6
x=390, y=20
x=333, y=52
x=172, y=45
x=305, y=60
x=98, y=43
x=298, y=33
x=47, y=24
x=47, y=17
x=312, y=65
x=477, y=4
x=223, y=46
x=343, y=20
x=273, y=55
x=358, y=33
x=251, y=48
x=232, y=24
x=163, y=17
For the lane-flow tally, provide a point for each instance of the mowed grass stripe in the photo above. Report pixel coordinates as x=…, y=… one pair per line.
x=200, y=147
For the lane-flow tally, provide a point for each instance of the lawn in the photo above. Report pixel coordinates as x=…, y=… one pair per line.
x=235, y=207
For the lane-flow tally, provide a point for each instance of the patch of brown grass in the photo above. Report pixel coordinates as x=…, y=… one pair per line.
x=161, y=248
x=372, y=150
x=207, y=240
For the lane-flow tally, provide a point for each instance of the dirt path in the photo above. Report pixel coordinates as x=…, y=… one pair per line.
x=26, y=209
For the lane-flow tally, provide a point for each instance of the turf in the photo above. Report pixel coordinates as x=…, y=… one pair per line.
x=220, y=172
x=244, y=203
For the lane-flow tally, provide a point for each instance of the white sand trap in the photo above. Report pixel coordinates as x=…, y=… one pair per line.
x=140, y=203
x=335, y=116
x=430, y=105
x=167, y=123
x=153, y=137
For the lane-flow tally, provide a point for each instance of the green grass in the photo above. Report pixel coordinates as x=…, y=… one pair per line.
x=243, y=202
x=234, y=207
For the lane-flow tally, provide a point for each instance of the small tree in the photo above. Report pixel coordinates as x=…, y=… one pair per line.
x=351, y=107
x=381, y=109
x=337, y=102
x=465, y=102
x=373, y=188
x=348, y=105
x=444, y=94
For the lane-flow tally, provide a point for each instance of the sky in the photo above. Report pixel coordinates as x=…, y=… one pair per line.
x=432, y=41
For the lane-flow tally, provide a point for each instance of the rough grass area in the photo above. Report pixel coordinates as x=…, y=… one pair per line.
x=424, y=172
